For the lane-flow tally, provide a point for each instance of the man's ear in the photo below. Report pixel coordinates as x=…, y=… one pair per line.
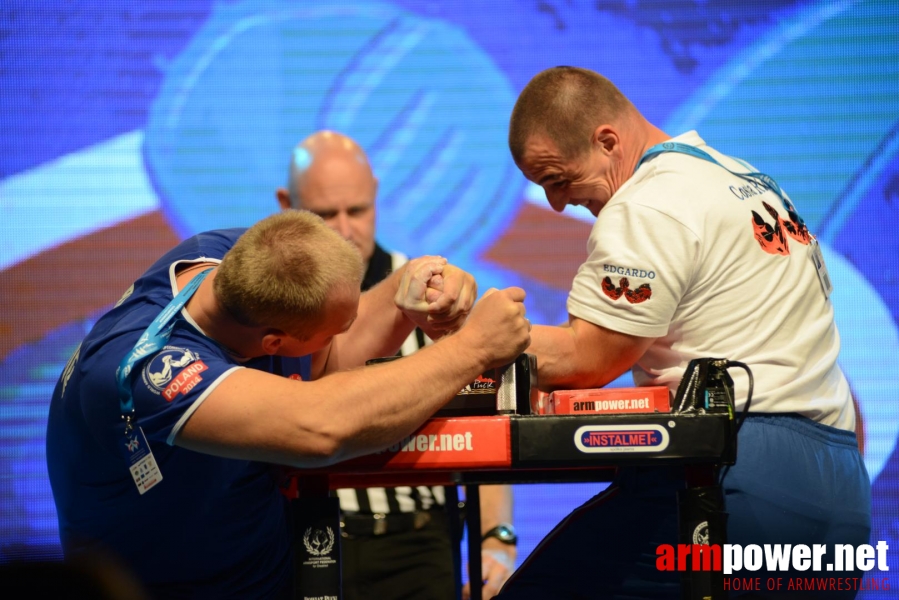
x=283, y=197
x=272, y=340
x=605, y=138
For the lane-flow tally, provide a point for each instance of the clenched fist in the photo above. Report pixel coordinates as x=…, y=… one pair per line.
x=435, y=295
x=498, y=327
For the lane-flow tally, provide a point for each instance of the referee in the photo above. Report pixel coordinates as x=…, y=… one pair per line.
x=397, y=542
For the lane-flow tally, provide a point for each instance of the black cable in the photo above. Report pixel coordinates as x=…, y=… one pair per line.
x=745, y=367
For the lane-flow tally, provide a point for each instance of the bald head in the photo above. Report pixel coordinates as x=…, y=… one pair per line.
x=566, y=105
x=330, y=175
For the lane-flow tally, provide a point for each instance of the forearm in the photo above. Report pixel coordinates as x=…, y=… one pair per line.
x=583, y=355
x=379, y=329
x=496, y=506
x=379, y=405
x=497, y=557
x=557, y=358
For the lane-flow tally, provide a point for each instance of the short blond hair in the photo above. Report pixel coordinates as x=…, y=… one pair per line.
x=565, y=104
x=282, y=270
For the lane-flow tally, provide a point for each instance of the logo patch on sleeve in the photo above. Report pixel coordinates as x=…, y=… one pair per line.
x=173, y=371
x=636, y=296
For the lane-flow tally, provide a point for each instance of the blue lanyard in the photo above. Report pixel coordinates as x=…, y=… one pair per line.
x=152, y=340
x=761, y=178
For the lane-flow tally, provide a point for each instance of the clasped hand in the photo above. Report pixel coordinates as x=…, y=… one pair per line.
x=435, y=295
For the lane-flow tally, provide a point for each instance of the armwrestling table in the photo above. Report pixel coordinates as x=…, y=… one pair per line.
x=512, y=448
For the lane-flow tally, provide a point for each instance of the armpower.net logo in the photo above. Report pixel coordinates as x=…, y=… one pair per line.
x=433, y=442
x=468, y=442
x=805, y=568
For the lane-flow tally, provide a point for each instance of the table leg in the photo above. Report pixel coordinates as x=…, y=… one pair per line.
x=316, y=542
x=473, y=520
x=702, y=525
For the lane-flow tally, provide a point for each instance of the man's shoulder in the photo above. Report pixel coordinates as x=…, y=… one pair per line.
x=147, y=297
x=663, y=192
x=228, y=236
x=678, y=186
x=116, y=333
x=211, y=244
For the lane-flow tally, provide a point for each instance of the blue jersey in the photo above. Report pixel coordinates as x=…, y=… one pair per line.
x=213, y=527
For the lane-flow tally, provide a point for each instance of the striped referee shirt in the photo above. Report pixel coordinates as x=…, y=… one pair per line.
x=404, y=498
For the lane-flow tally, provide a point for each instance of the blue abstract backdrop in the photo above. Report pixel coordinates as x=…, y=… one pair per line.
x=125, y=127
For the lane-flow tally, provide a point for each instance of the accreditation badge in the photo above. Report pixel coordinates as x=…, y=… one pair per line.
x=144, y=470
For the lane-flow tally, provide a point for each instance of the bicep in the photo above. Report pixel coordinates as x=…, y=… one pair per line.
x=639, y=268
x=253, y=415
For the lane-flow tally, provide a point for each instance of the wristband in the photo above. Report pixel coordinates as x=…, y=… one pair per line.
x=504, y=532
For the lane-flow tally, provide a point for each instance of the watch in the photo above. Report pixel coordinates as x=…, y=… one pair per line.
x=504, y=532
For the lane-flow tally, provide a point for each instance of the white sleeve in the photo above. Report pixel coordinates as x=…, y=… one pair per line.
x=640, y=264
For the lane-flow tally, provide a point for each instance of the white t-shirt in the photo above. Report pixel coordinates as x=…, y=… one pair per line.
x=704, y=261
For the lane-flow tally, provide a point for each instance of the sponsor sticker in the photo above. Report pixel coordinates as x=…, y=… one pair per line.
x=592, y=439
x=652, y=399
x=484, y=384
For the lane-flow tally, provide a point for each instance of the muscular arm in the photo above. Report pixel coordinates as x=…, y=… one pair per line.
x=379, y=330
x=258, y=416
x=583, y=355
x=425, y=292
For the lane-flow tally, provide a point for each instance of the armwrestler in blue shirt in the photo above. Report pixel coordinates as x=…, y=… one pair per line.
x=248, y=377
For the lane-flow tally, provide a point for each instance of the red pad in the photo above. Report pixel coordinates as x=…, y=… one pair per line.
x=454, y=443
x=612, y=401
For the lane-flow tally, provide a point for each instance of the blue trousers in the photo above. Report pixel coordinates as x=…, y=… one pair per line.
x=795, y=482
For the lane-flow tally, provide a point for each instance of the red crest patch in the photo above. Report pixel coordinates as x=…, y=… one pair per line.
x=641, y=294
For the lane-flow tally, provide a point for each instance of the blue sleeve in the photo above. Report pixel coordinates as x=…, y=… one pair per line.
x=170, y=385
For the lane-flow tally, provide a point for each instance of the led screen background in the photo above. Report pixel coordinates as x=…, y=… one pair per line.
x=124, y=128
